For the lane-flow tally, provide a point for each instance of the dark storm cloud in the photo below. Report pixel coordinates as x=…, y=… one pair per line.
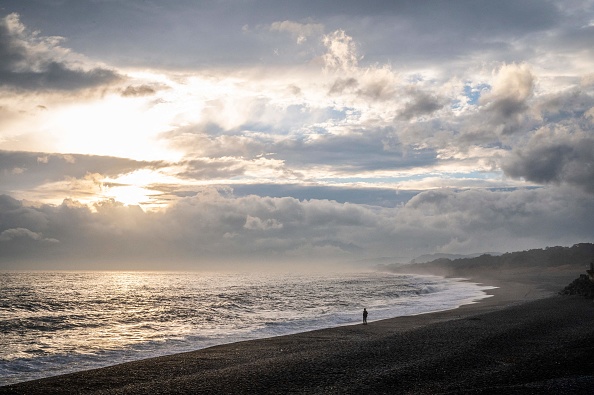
x=571, y=104
x=549, y=160
x=17, y=216
x=421, y=103
x=30, y=62
x=561, y=149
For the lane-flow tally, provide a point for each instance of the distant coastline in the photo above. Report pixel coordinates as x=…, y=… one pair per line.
x=552, y=260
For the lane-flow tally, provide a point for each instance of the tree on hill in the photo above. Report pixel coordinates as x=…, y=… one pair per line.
x=578, y=256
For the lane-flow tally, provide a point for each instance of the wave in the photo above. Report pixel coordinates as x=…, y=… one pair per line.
x=95, y=321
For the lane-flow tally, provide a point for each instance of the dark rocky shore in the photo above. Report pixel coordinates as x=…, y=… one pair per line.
x=525, y=339
x=582, y=286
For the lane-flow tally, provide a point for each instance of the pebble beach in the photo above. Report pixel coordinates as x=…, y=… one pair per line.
x=526, y=338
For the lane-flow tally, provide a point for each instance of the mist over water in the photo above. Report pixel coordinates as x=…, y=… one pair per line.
x=58, y=322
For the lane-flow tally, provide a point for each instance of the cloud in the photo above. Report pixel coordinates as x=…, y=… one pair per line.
x=22, y=233
x=421, y=104
x=557, y=156
x=255, y=223
x=371, y=196
x=376, y=84
x=141, y=90
x=341, y=85
x=482, y=220
x=214, y=227
x=29, y=61
x=230, y=167
x=507, y=102
x=559, y=107
x=441, y=33
x=39, y=175
x=300, y=31
x=341, y=51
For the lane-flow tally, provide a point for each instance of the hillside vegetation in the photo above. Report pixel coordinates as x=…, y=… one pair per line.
x=550, y=259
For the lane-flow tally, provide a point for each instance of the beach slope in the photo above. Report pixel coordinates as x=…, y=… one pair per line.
x=518, y=341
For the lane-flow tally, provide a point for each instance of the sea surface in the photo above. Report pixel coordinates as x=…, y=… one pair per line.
x=59, y=322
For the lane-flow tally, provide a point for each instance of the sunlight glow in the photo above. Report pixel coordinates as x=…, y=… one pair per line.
x=114, y=126
x=131, y=195
x=139, y=188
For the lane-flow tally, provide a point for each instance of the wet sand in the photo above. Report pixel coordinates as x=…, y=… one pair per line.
x=524, y=339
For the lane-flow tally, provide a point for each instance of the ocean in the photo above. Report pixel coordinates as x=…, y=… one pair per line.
x=53, y=323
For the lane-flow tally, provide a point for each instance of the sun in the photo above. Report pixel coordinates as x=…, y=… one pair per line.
x=132, y=195
x=144, y=188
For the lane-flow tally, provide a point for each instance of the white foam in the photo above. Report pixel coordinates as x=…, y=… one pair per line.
x=159, y=314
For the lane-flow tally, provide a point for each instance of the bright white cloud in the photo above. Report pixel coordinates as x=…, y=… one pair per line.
x=341, y=51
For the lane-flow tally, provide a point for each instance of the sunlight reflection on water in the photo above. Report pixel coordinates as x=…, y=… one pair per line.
x=50, y=320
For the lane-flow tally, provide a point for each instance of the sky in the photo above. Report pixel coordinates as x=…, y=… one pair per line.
x=210, y=135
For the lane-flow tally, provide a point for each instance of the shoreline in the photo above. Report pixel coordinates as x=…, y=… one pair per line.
x=447, y=351
x=434, y=293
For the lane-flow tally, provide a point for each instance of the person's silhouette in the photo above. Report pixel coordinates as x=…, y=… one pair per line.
x=364, y=316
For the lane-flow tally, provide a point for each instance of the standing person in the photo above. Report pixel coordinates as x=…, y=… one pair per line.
x=364, y=316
